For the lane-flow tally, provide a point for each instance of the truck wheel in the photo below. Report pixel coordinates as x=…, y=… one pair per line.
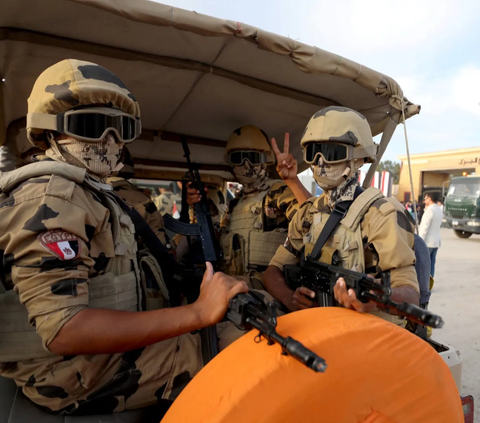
x=463, y=234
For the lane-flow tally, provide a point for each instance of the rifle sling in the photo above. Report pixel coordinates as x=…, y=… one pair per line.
x=166, y=262
x=209, y=341
x=338, y=213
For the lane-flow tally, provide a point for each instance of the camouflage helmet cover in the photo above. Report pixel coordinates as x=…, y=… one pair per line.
x=71, y=84
x=248, y=138
x=341, y=125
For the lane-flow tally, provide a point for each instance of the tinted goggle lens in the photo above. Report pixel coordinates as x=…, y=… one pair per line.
x=95, y=125
x=254, y=157
x=330, y=152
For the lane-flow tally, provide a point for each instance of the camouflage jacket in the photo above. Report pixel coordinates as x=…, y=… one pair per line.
x=144, y=206
x=279, y=205
x=386, y=234
x=165, y=202
x=52, y=279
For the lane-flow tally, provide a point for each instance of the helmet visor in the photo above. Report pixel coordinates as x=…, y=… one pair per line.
x=331, y=153
x=93, y=124
x=237, y=158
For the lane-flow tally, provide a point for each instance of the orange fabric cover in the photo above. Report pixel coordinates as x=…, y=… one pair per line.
x=377, y=373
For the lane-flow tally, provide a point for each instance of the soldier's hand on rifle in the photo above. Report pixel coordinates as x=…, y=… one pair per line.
x=193, y=194
x=286, y=163
x=302, y=298
x=215, y=293
x=348, y=299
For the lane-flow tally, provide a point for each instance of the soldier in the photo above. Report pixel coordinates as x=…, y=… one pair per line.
x=257, y=221
x=374, y=235
x=166, y=200
x=69, y=252
x=137, y=197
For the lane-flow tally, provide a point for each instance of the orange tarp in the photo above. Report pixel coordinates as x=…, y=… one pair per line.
x=377, y=373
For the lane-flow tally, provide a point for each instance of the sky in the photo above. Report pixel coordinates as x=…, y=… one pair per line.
x=430, y=47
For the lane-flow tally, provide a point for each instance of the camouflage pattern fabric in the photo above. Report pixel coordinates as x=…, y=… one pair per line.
x=387, y=234
x=165, y=201
x=277, y=208
x=53, y=284
x=252, y=177
x=280, y=205
x=106, y=383
x=341, y=125
x=344, y=192
x=73, y=83
x=144, y=206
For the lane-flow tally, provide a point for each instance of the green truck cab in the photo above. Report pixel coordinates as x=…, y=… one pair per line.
x=462, y=206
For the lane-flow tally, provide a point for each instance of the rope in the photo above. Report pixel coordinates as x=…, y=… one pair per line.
x=409, y=165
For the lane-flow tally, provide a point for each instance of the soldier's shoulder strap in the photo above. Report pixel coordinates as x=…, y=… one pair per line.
x=10, y=180
x=360, y=206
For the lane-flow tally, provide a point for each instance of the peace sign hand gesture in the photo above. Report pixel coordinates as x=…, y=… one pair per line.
x=286, y=164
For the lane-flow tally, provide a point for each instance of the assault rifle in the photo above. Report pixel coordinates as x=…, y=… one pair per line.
x=205, y=231
x=247, y=311
x=204, y=228
x=321, y=278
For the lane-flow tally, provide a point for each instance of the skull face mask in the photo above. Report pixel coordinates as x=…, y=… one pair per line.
x=330, y=176
x=252, y=177
x=99, y=158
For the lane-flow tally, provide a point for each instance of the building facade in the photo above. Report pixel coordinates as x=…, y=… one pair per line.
x=432, y=171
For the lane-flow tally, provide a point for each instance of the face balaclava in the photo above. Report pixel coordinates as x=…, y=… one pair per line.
x=338, y=180
x=99, y=158
x=252, y=177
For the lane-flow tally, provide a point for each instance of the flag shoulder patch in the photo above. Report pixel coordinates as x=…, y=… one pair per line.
x=63, y=245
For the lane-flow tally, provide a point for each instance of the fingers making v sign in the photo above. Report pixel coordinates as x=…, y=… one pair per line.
x=286, y=163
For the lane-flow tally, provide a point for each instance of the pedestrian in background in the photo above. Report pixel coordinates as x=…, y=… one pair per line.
x=429, y=228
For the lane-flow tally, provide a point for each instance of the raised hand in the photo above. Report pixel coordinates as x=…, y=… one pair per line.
x=286, y=164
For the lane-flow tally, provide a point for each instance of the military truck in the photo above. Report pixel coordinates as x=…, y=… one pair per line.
x=195, y=77
x=462, y=206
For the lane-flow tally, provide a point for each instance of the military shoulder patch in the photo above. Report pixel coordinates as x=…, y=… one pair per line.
x=62, y=244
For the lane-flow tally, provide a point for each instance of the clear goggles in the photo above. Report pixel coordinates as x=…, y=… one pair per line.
x=90, y=124
x=330, y=152
x=237, y=158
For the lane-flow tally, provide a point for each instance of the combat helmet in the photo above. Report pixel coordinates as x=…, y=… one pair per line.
x=68, y=86
x=342, y=126
x=248, y=142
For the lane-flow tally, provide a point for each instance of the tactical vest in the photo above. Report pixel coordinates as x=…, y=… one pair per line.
x=346, y=242
x=246, y=246
x=117, y=289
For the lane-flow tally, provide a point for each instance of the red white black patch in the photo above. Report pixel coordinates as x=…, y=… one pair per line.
x=62, y=244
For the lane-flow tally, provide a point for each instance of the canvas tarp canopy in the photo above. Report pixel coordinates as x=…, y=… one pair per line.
x=192, y=74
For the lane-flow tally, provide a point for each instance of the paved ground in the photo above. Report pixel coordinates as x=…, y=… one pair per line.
x=456, y=297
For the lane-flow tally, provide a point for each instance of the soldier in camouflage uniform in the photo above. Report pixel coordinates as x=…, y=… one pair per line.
x=257, y=221
x=166, y=200
x=375, y=235
x=137, y=198
x=70, y=335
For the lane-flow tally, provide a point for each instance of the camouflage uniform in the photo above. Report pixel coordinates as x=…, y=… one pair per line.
x=165, y=202
x=376, y=234
x=143, y=204
x=386, y=239
x=65, y=245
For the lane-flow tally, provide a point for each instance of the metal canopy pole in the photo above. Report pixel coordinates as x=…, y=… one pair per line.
x=386, y=137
